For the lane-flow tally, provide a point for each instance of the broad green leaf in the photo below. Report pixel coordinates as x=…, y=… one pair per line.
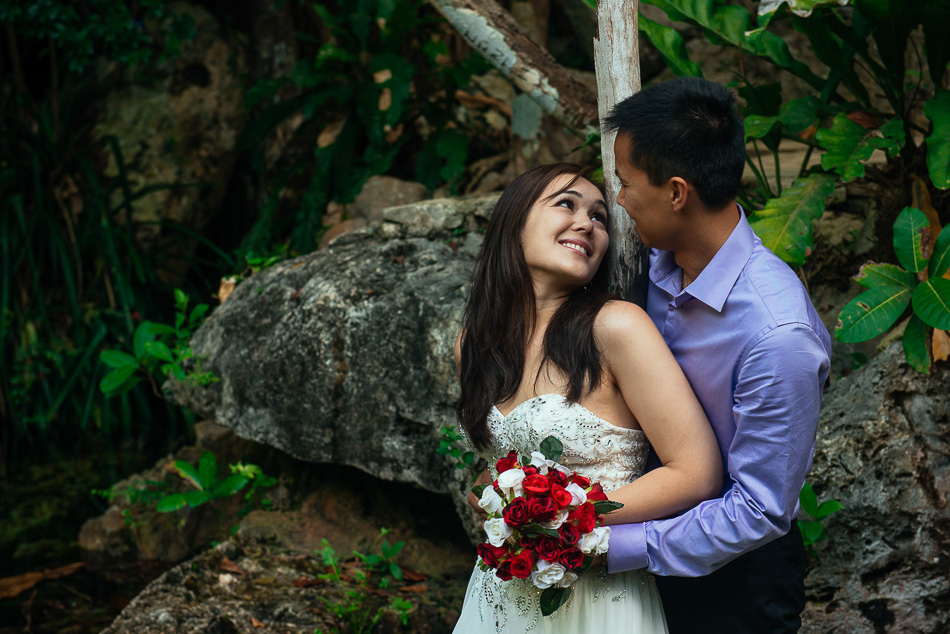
x=208, y=469
x=552, y=448
x=871, y=275
x=395, y=571
x=140, y=338
x=670, y=43
x=938, y=141
x=932, y=303
x=181, y=299
x=115, y=379
x=814, y=531
x=911, y=233
x=188, y=472
x=158, y=329
x=603, y=507
x=785, y=225
x=171, y=503
x=827, y=508
x=798, y=115
x=914, y=343
x=940, y=258
x=758, y=126
x=159, y=350
x=230, y=485
x=808, y=500
x=847, y=144
x=871, y=313
x=553, y=598
x=802, y=8
x=478, y=489
x=117, y=359
x=177, y=371
x=197, y=313
x=197, y=498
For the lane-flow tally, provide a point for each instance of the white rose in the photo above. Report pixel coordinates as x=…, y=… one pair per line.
x=491, y=501
x=556, y=521
x=538, y=460
x=498, y=531
x=547, y=574
x=562, y=469
x=510, y=483
x=567, y=579
x=595, y=542
x=578, y=495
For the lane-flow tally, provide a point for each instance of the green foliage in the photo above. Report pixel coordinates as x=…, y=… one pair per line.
x=938, y=143
x=813, y=531
x=450, y=445
x=892, y=288
x=358, y=94
x=354, y=612
x=157, y=349
x=785, y=223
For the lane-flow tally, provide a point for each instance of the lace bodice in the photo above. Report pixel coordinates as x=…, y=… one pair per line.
x=595, y=448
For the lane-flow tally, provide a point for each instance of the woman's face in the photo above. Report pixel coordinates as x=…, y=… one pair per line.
x=565, y=234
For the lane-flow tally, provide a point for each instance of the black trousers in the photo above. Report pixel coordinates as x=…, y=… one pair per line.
x=761, y=592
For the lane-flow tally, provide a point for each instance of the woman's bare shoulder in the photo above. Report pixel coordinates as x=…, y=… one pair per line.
x=620, y=318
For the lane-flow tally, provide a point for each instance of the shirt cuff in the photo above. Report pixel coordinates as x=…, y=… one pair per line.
x=628, y=548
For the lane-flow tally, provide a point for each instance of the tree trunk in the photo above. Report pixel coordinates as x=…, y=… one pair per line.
x=491, y=30
x=617, y=61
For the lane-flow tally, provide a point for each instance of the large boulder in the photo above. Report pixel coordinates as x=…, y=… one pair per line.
x=344, y=356
x=883, y=451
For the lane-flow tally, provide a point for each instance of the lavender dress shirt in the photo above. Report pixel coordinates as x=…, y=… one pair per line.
x=757, y=355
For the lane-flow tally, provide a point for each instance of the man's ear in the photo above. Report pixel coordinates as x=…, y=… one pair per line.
x=679, y=191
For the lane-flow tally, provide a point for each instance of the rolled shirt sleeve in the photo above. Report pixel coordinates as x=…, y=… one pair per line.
x=776, y=404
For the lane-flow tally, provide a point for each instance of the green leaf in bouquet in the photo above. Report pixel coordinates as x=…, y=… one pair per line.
x=871, y=313
x=911, y=234
x=671, y=46
x=914, y=343
x=940, y=258
x=552, y=448
x=603, y=507
x=873, y=275
x=785, y=225
x=553, y=598
x=588, y=562
x=932, y=303
x=478, y=489
x=848, y=144
x=536, y=530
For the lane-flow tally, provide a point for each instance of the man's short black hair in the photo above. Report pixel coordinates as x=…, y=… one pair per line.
x=686, y=127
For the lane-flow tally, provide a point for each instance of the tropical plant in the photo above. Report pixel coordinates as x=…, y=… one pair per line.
x=362, y=95
x=865, y=100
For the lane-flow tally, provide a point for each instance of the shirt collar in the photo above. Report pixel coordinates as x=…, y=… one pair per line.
x=715, y=282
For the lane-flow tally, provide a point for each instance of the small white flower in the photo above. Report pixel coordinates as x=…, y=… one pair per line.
x=562, y=469
x=510, y=483
x=538, y=460
x=491, y=501
x=595, y=542
x=556, y=521
x=497, y=530
x=567, y=579
x=578, y=495
x=547, y=574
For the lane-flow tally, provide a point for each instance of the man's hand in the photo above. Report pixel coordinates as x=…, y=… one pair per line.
x=484, y=478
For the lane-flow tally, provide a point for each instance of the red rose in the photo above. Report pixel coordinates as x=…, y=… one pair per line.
x=504, y=570
x=571, y=558
x=556, y=477
x=491, y=555
x=596, y=492
x=580, y=480
x=529, y=470
x=516, y=513
x=536, y=485
x=522, y=564
x=528, y=542
x=561, y=497
x=569, y=534
x=508, y=462
x=585, y=515
x=549, y=549
x=541, y=508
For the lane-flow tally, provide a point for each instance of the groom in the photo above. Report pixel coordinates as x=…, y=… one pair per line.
x=742, y=327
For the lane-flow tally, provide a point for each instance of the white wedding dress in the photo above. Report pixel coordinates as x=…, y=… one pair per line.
x=600, y=603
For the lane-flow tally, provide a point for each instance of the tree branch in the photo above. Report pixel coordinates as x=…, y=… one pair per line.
x=491, y=30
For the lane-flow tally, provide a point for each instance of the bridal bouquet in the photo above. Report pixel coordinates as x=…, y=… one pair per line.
x=543, y=522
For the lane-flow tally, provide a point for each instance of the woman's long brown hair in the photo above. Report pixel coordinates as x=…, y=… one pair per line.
x=500, y=315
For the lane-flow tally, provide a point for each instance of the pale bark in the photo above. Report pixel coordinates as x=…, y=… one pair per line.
x=491, y=30
x=616, y=59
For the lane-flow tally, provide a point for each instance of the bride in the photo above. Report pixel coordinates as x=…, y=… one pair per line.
x=544, y=351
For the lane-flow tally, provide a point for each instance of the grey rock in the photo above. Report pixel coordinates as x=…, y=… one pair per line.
x=882, y=451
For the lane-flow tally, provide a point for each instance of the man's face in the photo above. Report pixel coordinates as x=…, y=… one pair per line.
x=647, y=205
